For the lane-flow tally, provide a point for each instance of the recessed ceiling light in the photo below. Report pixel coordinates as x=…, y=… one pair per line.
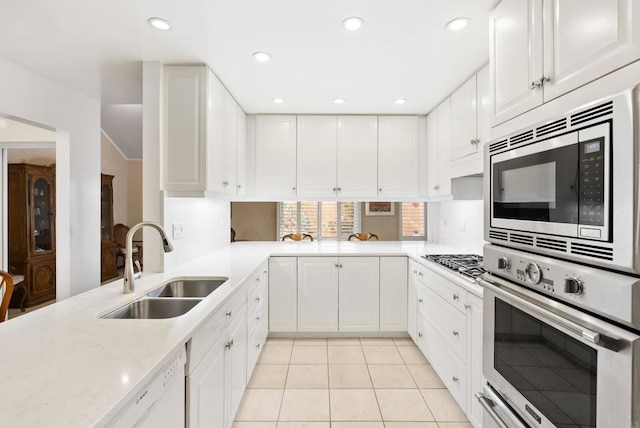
x=338, y=100
x=159, y=24
x=353, y=23
x=278, y=100
x=261, y=56
x=400, y=101
x=457, y=24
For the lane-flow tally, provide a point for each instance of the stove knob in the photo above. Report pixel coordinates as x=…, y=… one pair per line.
x=533, y=273
x=503, y=263
x=573, y=286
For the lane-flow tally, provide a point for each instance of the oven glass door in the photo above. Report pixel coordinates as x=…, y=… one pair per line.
x=541, y=186
x=553, y=371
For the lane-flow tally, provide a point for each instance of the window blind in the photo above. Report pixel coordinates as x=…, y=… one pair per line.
x=413, y=220
x=322, y=220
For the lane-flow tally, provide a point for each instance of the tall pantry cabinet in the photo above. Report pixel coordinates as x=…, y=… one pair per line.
x=32, y=250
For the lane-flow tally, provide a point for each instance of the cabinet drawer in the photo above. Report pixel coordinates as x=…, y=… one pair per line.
x=255, y=344
x=448, y=290
x=202, y=340
x=448, y=321
x=255, y=318
x=257, y=290
x=451, y=369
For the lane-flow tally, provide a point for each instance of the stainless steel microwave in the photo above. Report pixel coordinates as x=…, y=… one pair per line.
x=569, y=187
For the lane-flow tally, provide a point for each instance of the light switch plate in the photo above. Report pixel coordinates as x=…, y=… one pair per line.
x=178, y=231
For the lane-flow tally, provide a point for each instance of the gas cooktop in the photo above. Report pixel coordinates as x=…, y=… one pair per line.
x=468, y=265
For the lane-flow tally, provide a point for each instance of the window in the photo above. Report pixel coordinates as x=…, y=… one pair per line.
x=413, y=221
x=322, y=220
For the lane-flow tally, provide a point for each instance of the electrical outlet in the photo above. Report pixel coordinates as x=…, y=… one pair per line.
x=178, y=231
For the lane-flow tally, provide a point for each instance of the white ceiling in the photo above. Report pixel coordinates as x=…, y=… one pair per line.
x=403, y=49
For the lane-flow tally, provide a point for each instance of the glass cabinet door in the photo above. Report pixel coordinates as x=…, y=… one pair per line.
x=105, y=212
x=42, y=215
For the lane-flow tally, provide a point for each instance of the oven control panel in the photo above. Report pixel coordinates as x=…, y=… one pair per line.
x=604, y=292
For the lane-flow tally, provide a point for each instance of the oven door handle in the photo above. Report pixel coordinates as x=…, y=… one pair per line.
x=488, y=403
x=591, y=336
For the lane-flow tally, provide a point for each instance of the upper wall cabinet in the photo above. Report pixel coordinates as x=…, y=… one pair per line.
x=438, y=149
x=200, y=132
x=337, y=156
x=541, y=49
x=276, y=156
x=398, y=156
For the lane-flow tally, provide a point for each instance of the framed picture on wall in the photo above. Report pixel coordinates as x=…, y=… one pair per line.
x=379, y=208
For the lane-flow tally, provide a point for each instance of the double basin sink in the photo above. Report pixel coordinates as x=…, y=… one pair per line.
x=170, y=300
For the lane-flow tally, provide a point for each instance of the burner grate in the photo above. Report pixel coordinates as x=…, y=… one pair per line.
x=468, y=265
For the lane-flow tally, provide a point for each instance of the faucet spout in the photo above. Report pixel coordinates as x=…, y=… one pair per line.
x=129, y=276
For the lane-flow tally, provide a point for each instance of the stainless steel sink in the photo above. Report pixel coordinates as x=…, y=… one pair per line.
x=188, y=288
x=154, y=309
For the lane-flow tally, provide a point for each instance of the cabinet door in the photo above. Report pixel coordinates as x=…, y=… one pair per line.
x=393, y=293
x=397, y=156
x=444, y=147
x=276, y=156
x=463, y=118
x=412, y=303
x=515, y=57
x=283, y=294
x=241, y=163
x=216, y=116
x=483, y=108
x=357, y=156
x=317, y=293
x=42, y=281
x=359, y=307
x=317, y=156
x=230, y=143
x=432, y=154
x=184, y=165
x=586, y=39
x=476, y=380
x=236, y=364
x=205, y=390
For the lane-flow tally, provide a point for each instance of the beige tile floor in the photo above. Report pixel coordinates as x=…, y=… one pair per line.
x=346, y=383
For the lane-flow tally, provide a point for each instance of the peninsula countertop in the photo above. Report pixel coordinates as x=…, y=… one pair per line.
x=63, y=366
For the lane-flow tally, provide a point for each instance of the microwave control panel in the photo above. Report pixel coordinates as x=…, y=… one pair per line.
x=592, y=186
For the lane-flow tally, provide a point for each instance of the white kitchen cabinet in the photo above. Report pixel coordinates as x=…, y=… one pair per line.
x=398, y=156
x=236, y=365
x=359, y=293
x=283, y=294
x=318, y=294
x=393, y=294
x=540, y=50
x=412, y=301
x=200, y=132
x=241, y=170
x=476, y=379
x=464, y=140
x=257, y=315
x=276, y=156
x=357, y=156
x=317, y=156
x=438, y=149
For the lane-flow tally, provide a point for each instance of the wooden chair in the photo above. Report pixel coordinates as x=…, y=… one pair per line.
x=297, y=236
x=7, y=281
x=363, y=236
x=120, y=235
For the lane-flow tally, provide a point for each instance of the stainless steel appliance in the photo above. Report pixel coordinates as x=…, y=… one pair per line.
x=467, y=265
x=566, y=187
x=561, y=343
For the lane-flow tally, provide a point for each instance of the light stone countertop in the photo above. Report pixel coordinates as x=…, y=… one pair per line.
x=63, y=366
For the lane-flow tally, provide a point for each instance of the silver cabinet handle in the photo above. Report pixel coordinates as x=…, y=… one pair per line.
x=415, y=272
x=226, y=183
x=420, y=300
x=455, y=333
x=257, y=279
x=456, y=297
x=258, y=319
x=340, y=264
x=265, y=271
x=455, y=379
x=334, y=189
x=420, y=274
x=229, y=344
x=538, y=83
x=337, y=265
x=239, y=186
x=293, y=188
x=379, y=190
x=228, y=314
x=339, y=189
x=419, y=335
x=436, y=187
x=257, y=299
x=258, y=346
x=467, y=306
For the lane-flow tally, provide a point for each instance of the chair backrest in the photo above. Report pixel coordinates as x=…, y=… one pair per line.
x=120, y=234
x=363, y=236
x=297, y=236
x=233, y=235
x=7, y=281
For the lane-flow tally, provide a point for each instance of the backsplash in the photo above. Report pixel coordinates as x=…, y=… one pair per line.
x=457, y=224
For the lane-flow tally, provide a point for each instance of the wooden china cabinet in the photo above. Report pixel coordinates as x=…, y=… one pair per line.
x=32, y=247
x=108, y=259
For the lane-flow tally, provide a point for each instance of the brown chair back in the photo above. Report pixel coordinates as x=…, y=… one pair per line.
x=7, y=281
x=363, y=236
x=120, y=234
x=297, y=236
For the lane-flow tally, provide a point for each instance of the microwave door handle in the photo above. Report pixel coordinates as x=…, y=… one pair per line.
x=488, y=404
x=550, y=317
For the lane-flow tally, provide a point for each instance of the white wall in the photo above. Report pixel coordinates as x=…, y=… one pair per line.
x=113, y=162
x=27, y=95
x=458, y=224
x=206, y=225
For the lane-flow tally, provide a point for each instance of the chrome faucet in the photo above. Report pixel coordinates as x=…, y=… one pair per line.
x=129, y=274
